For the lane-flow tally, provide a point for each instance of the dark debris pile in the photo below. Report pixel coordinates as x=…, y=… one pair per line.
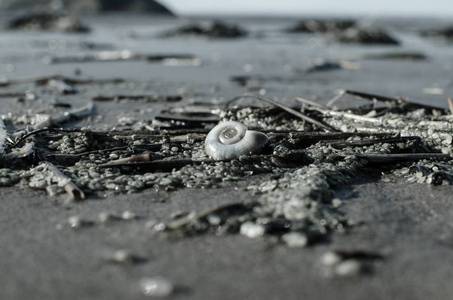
x=321, y=26
x=444, y=34
x=47, y=22
x=210, y=29
x=345, y=31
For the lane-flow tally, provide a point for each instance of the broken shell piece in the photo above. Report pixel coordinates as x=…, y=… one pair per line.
x=231, y=139
x=156, y=287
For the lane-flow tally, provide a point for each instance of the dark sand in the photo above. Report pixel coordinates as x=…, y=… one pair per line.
x=407, y=223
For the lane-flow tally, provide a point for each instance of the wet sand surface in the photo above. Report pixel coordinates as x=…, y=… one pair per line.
x=407, y=224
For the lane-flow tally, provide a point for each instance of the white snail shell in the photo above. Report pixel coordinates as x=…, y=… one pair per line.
x=231, y=139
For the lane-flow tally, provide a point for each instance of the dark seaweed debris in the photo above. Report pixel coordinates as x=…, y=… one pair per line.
x=408, y=56
x=445, y=33
x=47, y=22
x=366, y=36
x=321, y=26
x=344, y=31
x=211, y=29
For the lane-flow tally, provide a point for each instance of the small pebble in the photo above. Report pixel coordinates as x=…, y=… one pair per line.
x=295, y=240
x=106, y=217
x=160, y=227
x=156, y=286
x=214, y=220
x=349, y=267
x=124, y=257
x=336, y=202
x=252, y=230
x=128, y=215
x=330, y=259
x=75, y=222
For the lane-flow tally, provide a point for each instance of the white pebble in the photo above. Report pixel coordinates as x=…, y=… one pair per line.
x=349, y=267
x=295, y=240
x=75, y=222
x=252, y=230
x=105, y=217
x=156, y=286
x=330, y=259
x=128, y=215
x=123, y=257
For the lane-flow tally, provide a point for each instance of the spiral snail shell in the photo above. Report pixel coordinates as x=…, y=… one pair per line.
x=231, y=139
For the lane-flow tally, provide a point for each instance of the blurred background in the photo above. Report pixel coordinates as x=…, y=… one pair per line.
x=442, y=8
x=319, y=7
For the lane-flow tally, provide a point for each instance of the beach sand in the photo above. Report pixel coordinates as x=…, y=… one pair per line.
x=406, y=224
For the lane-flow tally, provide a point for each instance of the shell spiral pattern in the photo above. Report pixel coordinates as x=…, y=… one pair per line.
x=231, y=139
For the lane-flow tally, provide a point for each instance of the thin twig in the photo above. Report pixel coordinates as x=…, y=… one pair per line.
x=128, y=160
x=387, y=158
x=287, y=109
x=3, y=137
x=350, y=116
x=152, y=166
x=373, y=97
x=398, y=101
x=335, y=99
x=42, y=80
x=361, y=143
x=53, y=130
x=311, y=103
x=71, y=188
x=450, y=105
x=154, y=98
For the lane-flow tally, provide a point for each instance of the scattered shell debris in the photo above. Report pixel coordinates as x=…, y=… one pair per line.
x=309, y=151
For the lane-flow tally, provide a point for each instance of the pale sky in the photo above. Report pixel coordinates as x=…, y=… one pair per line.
x=442, y=8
